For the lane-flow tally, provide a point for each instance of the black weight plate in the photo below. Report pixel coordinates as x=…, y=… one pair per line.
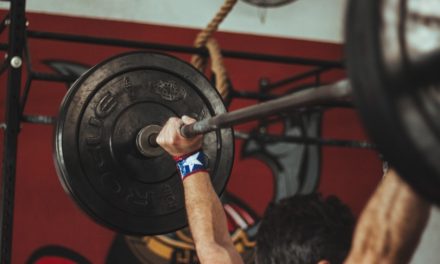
x=268, y=3
x=95, y=150
x=403, y=121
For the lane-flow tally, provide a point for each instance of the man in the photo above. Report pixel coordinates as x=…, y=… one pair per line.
x=303, y=229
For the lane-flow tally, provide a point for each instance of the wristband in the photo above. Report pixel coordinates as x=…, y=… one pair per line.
x=190, y=164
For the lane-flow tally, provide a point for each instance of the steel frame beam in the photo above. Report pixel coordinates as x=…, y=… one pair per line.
x=17, y=29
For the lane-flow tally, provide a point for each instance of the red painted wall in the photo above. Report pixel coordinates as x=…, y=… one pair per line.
x=45, y=215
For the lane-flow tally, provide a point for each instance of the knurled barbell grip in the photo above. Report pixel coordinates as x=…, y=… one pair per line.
x=197, y=128
x=327, y=93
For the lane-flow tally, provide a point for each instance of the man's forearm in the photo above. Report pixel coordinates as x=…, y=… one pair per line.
x=207, y=221
x=206, y=217
x=390, y=226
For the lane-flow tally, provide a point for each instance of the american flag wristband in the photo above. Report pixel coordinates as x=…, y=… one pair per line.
x=190, y=164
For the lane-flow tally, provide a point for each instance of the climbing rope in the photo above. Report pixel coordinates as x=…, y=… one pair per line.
x=205, y=39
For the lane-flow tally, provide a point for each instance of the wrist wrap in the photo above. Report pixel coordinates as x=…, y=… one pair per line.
x=190, y=164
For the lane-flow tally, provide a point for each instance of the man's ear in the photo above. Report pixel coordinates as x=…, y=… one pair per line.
x=323, y=262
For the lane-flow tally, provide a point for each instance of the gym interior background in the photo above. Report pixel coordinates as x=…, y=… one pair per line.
x=50, y=228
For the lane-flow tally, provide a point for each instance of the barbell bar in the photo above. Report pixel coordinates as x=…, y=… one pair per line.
x=339, y=91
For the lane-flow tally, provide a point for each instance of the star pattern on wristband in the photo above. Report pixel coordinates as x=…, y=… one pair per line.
x=191, y=164
x=192, y=161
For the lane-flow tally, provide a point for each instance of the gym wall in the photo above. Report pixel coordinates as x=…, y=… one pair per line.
x=45, y=216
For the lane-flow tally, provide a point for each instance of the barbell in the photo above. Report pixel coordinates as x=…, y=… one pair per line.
x=105, y=148
x=109, y=163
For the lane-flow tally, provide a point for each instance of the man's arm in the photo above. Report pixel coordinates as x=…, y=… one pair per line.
x=207, y=221
x=391, y=225
x=206, y=216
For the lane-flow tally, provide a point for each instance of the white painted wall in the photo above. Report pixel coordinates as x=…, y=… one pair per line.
x=319, y=20
x=428, y=250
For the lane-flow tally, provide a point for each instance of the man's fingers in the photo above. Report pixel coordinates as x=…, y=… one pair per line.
x=173, y=122
x=173, y=142
x=188, y=120
x=171, y=127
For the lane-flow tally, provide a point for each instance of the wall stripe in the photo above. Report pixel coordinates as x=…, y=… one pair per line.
x=318, y=20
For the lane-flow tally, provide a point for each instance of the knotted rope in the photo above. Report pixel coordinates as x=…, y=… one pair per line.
x=204, y=39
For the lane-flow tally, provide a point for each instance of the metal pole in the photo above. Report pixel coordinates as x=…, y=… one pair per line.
x=184, y=49
x=295, y=78
x=339, y=91
x=15, y=52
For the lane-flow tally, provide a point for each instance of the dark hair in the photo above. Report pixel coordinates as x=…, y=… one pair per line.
x=305, y=229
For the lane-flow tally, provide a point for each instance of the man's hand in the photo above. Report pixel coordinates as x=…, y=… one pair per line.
x=173, y=142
